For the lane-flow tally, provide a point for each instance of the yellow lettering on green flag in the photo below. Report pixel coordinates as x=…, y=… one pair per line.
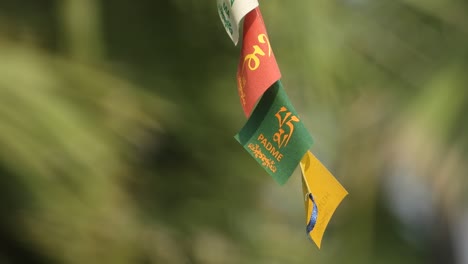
x=274, y=134
x=326, y=190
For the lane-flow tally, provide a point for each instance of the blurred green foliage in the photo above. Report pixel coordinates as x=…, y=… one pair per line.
x=117, y=121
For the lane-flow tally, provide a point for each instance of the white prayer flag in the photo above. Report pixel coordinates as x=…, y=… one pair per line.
x=231, y=13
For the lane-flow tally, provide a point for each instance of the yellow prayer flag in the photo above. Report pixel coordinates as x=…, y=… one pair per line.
x=326, y=190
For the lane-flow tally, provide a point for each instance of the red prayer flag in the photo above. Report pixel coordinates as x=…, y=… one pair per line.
x=257, y=69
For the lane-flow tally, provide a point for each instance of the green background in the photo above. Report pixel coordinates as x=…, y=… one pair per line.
x=116, y=124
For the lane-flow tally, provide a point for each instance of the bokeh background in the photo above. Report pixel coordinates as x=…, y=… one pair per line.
x=117, y=121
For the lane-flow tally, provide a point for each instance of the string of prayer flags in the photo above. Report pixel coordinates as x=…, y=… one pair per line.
x=274, y=135
x=231, y=13
x=257, y=69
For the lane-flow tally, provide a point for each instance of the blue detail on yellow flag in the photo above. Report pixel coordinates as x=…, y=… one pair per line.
x=313, y=215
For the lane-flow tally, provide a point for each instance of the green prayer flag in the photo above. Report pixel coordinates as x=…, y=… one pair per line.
x=274, y=135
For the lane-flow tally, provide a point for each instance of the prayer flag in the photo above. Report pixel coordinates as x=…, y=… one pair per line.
x=274, y=135
x=257, y=68
x=231, y=13
x=326, y=191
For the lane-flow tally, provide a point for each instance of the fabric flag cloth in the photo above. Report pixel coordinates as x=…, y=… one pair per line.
x=274, y=135
x=327, y=195
x=231, y=13
x=257, y=69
